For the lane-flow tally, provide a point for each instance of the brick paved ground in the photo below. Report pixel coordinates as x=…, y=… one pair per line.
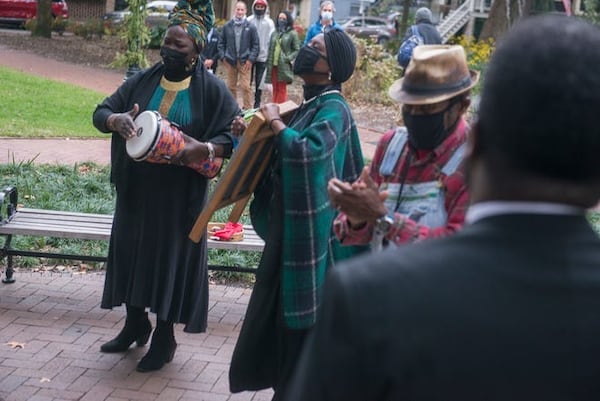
x=58, y=321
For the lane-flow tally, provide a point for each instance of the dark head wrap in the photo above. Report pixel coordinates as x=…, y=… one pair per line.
x=196, y=17
x=341, y=55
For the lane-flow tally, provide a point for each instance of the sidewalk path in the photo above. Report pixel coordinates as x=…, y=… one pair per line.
x=54, y=151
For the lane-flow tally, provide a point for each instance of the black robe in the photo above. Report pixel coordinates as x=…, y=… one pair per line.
x=151, y=261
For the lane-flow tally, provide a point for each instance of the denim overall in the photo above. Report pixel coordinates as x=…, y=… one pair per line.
x=421, y=202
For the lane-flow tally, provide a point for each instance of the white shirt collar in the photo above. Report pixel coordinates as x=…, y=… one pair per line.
x=481, y=210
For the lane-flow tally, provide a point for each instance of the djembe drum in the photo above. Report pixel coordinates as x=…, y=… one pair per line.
x=157, y=140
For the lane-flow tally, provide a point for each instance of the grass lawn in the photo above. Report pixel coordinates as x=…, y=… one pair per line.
x=37, y=107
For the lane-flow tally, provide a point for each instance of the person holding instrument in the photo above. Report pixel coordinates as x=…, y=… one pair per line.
x=151, y=262
x=292, y=213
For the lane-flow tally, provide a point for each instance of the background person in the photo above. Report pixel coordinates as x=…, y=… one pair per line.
x=210, y=52
x=239, y=47
x=415, y=187
x=509, y=307
x=264, y=27
x=283, y=48
x=321, y=141
x=324, y=23
x=151, y=261
x=428, y=32
x=426, y=29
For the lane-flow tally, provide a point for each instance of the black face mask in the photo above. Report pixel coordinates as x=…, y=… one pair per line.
x=427, y=132
x=259, y=12
x=281, y=25
x=176, y=66
x=306, y=59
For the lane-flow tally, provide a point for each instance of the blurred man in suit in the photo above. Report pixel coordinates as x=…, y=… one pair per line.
x=509, y=307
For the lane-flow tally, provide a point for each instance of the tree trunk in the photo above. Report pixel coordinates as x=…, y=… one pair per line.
x=43, y=25
x=503, y=14
x=403, y=27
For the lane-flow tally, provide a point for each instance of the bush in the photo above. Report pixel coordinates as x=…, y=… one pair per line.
x=89, y=29
x=157, y=33
x=376, y=69
x=478, y=54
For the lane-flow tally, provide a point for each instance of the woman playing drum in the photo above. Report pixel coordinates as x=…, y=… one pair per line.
x=151, y=262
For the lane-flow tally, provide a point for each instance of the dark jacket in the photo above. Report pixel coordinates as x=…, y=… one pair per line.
x=428, y=32
x=506, y=309
x=249, y=43
x=211, y=49
x=290, y=44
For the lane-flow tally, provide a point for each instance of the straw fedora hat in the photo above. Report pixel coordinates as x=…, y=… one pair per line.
x=435, y=73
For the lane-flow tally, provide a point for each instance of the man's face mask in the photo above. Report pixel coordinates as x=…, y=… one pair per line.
x=259, y=11
x=306, y=59
x=427, y=131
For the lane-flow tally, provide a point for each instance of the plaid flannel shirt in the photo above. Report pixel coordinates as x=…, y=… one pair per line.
x=423, y=169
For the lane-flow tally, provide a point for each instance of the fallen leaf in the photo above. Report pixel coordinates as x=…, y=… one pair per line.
x=44, y=380
x=15, y=344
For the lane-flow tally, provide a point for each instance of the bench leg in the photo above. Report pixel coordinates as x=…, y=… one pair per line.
x=9, y=261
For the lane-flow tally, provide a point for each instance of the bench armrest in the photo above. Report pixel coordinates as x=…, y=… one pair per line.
x=8, y=203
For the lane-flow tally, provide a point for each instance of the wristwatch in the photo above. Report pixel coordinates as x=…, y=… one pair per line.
x=384, y=224
x=211, y=152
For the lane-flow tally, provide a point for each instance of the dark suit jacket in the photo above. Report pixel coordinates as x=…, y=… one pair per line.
x=249, y=43
x=211, y=49
x=507, y=309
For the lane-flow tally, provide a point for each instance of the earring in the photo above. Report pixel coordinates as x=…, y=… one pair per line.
x=330, y=75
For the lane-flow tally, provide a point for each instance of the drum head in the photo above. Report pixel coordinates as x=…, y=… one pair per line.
x=148, y=123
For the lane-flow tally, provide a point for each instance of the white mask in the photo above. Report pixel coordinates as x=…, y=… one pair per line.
x=327, y=15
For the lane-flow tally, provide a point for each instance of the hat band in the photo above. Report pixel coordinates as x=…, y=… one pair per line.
x=436, y=89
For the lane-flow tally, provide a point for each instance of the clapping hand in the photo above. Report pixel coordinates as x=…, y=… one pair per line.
x=361, y=200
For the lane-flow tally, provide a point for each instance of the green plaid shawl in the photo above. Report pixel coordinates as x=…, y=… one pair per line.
x=320, y=143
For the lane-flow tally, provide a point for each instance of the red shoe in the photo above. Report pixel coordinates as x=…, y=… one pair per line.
x=228, y=233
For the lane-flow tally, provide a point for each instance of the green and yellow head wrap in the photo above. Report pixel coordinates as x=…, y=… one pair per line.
x=196, y=17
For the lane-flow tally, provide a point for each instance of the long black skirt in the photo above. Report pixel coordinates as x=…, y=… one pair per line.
x=151, y=262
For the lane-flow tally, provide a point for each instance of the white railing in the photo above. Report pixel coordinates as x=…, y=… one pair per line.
x=455, y=20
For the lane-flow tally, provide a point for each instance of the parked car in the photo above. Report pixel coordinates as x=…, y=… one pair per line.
x=158, y=13
x=377, y=29
x=19, y=11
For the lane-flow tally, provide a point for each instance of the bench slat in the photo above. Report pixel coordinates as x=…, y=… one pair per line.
x=51, y=223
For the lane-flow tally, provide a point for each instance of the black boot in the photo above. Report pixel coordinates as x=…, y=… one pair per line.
x=137, y=328
x=162, y=348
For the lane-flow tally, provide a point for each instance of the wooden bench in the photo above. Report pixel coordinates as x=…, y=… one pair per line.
x=85, y=226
